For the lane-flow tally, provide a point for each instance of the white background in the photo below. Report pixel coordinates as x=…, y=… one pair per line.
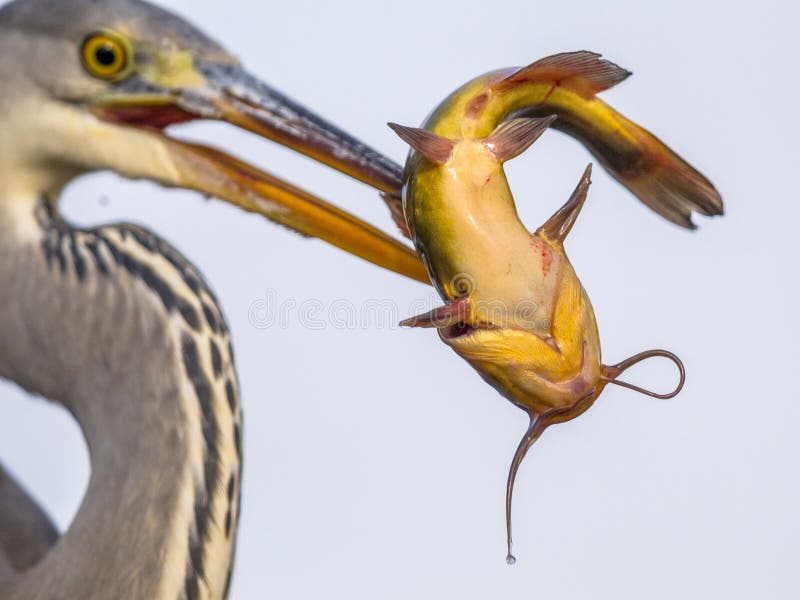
x=375, y=458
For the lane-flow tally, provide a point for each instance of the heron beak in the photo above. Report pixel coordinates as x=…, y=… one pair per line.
x=226, y=92
x=235, y=96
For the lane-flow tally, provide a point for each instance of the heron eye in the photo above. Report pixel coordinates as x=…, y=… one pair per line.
x=106, y=55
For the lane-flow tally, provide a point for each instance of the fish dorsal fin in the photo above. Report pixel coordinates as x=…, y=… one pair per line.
x=513, y=137
x=584, y=72
x=559, y=225
x=435, y=148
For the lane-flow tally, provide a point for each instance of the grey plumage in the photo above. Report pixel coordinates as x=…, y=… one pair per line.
x=137, y=333
x=43, y=35
x=113, y=323
x=124, y=373
x=70, y=20
x=26, y=532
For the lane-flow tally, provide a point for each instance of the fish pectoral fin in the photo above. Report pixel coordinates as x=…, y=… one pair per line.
x=559, y=225
x=513, y=137
x=442, y=316
x=435, y=148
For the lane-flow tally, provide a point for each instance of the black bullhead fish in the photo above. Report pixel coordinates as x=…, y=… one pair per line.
x=514, y=308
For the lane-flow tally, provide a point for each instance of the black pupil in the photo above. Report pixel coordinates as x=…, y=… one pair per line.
x=106, y=55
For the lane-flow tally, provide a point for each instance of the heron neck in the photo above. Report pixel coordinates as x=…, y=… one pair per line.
x=135, y=520
x=81, y=323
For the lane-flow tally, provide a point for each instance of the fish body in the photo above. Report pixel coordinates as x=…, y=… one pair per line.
x=527, y=324
x=514, y=308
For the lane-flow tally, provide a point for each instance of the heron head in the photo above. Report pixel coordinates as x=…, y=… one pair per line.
x=91, y=85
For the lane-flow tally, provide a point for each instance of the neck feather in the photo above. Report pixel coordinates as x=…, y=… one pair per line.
x=120, y=329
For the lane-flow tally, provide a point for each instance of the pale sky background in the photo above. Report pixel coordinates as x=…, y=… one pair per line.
x=375, y=458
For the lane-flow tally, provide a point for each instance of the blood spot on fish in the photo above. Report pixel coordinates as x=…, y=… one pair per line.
x=477, y=105
x=546, y=255
x=547, y=261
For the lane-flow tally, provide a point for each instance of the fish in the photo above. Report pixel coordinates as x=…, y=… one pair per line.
x=514, y=308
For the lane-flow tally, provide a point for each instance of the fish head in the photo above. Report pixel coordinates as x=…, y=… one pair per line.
x=550, y=366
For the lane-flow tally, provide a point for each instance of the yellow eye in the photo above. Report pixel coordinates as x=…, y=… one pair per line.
x=106, y=55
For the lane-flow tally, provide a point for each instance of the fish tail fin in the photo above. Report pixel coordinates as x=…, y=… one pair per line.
x=566, y=85
x=663, y=181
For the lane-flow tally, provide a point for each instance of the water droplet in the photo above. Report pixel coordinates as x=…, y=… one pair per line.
x=510, y=560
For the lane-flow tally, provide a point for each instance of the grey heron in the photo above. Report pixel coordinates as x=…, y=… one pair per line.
x=112, y=322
